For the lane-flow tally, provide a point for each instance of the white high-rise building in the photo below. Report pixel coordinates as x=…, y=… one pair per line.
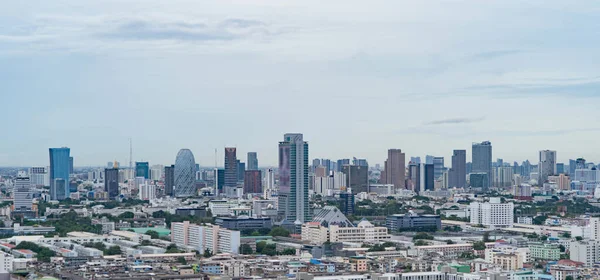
x=211, y=237
x=39, y=176
x=147, y=192
x=547, y=165
x=156, y=172
x=587, y=251
x=494, y=213
x=293, y=178
x=23, y=196
x=6, y=263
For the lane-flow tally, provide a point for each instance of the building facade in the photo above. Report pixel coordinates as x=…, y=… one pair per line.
x=59, y=173
x=412, y=222
x=185, y=174
x=231, y=167
x=293, y=178
x=210, y=237
x=111, y=182
x=457, y=175
x=142, y=169
x=482, y=160
x=494, y=213
x=252, y=161
x=395, y=169
x=169, y=179
x=547, y=165
x=357, y=178
x=253, y=182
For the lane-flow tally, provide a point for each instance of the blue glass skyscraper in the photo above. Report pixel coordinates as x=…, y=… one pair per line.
x=59, y=173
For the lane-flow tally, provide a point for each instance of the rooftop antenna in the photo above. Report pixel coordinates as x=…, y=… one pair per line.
x=130, y=154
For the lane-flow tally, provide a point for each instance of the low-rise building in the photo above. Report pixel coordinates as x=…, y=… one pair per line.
x=241, y=223
x=365, y=232
x=541, y=251
x=413, y=222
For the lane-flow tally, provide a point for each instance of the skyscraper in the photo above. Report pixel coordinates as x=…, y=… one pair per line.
x=111, y=181
x=142, y=169
x=253, y=182
x=427, y=177
x=185, y=174
x=438, y=167
x=395, y=168
x=169, y=179
x=357, y=178
x=360, y=162
x=416, y=160
x=59, y=173
x=457, y=176
x=219, y=180
x=23, y=196
x=482, y=160
x=580, y=164
x=252, y=161
x=414, y=177
x=293, y=178
x=241, y=169
x=231, y=167
x=70, y=165
x=560, y=168
x=547, y=165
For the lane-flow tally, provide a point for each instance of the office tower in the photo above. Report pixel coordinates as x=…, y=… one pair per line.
x=147, y=192
x=572, y=166
x=526, y=168
x=469, y=167
x=39, y=176
x=252, y=161
x=416, y=160
x=516, y=168
x=427, y=177
x=499, y=163
x=269, y=190
x=347, y=203
x=219, y=180
x=59, y=172
x=231, y=167
x=316, y=162
x=395, y=169
x=503, y=176
x=580, y=164
x=357, y=178
x=142, y=169
x=479, y=181
x=547, y=165
x=327, y=164
x=23, y=195
x=457, y=176
x=560, y=168
x=293, y=178
x=169, y=179
x=185, y=174
x=70, y=165
x=359, y=162
x=429, y=159
x=241, y=169
x=438, y=167
x=111, y=181
x=340, y=164
x=321, y=171
x=482, y=160
x=253, y=182
x=414, y=177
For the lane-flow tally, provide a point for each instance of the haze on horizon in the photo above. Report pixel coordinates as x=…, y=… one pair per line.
x=355, y=77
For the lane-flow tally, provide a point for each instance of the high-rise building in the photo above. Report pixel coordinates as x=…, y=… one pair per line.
x=208, y=237
x=479, y=180
x=142, y=169
x=59, y=172
x=414, y=177
x=580, y=164
x=231, y=167
x=494, y=213
x=560, y=168
x=427, y=177
x=457, y=176
x=111, y=181
x=327, y=164
x=469, y=167
x=416, y=160
x=169, y=179
x=39, y=176
x=395, y=168
x=438, y=167
x=219, y=180
x=547, y=165
x=482, y=159
x=359, y=162
x=252, y=161
x=253, y=181
x=147, y=192
x=185, y=174
x=269, y=190
x=429, y=159
x=347, y=203
x=293, y=178
x=503, y=176
x=70, y=165
x=23, y=195
x=357, y=178
x=241, y=169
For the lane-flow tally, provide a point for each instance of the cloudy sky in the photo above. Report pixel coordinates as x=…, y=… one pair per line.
x=356, y=77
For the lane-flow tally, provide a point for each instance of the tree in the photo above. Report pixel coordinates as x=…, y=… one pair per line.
x=260, y=246
x=578, y=238
x=539, y=220
x=113, y=250
x=543, y=237
x=207, y=253
x=420, y=242
x=478, y=245
x=449, y=241
x=245, y=249
x=566, y=235
x=126, y=215
x=288, y=251
x=146, y=243
x=279, y=231
x=422, y=235
x=153, y=234
x=562, y=248
x=486, y=236
x=569, y=277
x=181, y=260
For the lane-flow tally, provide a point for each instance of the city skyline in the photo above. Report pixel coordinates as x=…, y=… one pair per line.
x=231, y=70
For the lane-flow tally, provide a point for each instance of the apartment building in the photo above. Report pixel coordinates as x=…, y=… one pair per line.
x=211, y=237
x=317, y=234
